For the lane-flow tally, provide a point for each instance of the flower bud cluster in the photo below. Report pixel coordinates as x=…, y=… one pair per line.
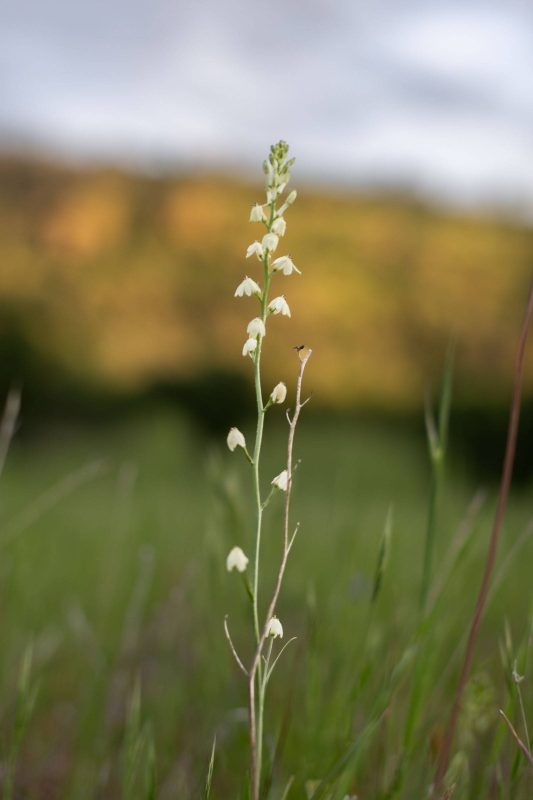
x=277, y=169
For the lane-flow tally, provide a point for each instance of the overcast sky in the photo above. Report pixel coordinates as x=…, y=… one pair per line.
x=435, y=95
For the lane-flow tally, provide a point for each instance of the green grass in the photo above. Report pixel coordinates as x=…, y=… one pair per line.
x=120, y=587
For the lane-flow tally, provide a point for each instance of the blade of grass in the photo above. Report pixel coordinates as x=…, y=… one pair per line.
x=437, y=443
x=132, y=743
x=150, y=769
x=26, y=697
x=287, y=788
x=437, y=436
x=209, y=778
x=383, y=557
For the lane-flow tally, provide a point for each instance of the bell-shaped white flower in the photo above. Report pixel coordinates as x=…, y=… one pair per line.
x=271, y=195
x=256, y=327
x=257, y=248
x=257, y=214
x=279, y=393
x=270, y=242
x=250, y=346
x=279, y=306
x=281, y=481
x=275, y=628
x=235, y=439
x=247, y=287
x=236, y=560
x=279, y=226
x=284, y=264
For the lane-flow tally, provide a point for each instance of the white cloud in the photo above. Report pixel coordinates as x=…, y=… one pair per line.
x=438, y=95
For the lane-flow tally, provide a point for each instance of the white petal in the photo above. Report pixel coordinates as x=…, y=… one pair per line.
x=279, y=226
x=257, y=214
x=235, y=439
x=247, y=287
x=249, y=346
x=270, y=242
x=279, y=393
x=279, y=306
x=275, y=628
x=236, y=560
x=256, y=327
x=256, y=248
x=281, y=481
x=284, y=264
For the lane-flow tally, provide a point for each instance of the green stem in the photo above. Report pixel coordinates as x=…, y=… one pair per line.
x=261, y=682
x=436, y=483
x=261, y=710
x=257, y=487
x=259, y=435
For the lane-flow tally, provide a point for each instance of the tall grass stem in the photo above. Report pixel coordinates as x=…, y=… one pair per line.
x=507, y=472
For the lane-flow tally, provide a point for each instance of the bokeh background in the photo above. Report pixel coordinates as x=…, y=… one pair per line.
x=132, y=136
x=131, y=139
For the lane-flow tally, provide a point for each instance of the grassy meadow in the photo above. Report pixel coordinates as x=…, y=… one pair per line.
x=119, y=500
x=113, y=547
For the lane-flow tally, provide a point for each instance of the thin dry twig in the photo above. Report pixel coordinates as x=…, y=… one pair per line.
x=517, y=681
x=525, y=750
x=507, y=472
x=277, y=588
x=232, y=647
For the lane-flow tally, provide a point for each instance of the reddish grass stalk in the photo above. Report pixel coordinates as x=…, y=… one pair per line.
x=8, y=424
x=507, y=471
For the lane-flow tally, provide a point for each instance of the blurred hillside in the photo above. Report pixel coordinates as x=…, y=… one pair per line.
x=117, y=283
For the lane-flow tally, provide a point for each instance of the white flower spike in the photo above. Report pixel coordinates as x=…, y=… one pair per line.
x=248, y=287
x=279, y=393
x=279, y=226
x=236, y=560
x=257, y=214
x=256, y=328
x=279, y=306
x=250, y=346
x=275, y=628
x=281, y=481
x=270, y=242
x=235, y=439
x=257, y=248
x=285, y=264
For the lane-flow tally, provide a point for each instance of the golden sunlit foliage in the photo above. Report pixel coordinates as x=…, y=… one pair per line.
x=124, y=281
